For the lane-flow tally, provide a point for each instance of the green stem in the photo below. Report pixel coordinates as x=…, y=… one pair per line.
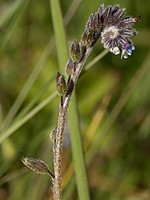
x=59, y=32
x=77, y=150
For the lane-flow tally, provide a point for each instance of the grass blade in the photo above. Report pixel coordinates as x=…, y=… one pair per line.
x=18, y=10
x=79, y=164
x=59, y=31
x=23, y=120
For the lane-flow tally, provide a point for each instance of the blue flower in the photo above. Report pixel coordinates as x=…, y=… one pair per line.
x=127, y=51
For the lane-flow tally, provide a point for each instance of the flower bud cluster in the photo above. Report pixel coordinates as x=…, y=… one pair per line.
x=113, y=27
x=117, y=30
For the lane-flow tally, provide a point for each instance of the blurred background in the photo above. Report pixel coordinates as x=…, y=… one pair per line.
x=113, y=99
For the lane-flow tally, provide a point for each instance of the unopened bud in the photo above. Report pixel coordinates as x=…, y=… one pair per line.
x=60, y=84
x=75, y=51
x=83, y=51
x=94, y=22
x=70, y=87
x=36, y=165
x=70, y=67
x=87, y=37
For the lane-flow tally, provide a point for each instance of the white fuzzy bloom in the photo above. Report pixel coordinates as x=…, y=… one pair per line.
x=115, y=50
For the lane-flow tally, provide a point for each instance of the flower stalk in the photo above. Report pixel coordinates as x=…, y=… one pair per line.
x=58, y=144
x=115, y=31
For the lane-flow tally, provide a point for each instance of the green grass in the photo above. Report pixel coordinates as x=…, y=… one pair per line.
x=109, y=116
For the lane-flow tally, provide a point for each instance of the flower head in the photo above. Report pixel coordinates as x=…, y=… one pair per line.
x=117, y=30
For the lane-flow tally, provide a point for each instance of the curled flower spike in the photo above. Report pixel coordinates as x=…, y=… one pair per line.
x=117, y=30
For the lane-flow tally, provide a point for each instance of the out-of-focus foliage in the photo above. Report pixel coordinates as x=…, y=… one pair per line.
x=113, y=99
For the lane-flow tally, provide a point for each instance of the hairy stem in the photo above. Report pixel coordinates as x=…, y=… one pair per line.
x=58, y=143
x=104, y=24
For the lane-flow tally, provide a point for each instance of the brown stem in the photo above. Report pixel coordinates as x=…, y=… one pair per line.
x=58, y=148
x=58, y=153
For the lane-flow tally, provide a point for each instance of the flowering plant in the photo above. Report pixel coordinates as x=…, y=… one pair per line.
x=115, y=30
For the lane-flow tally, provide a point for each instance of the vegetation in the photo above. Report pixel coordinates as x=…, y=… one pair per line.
x=110, y=108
